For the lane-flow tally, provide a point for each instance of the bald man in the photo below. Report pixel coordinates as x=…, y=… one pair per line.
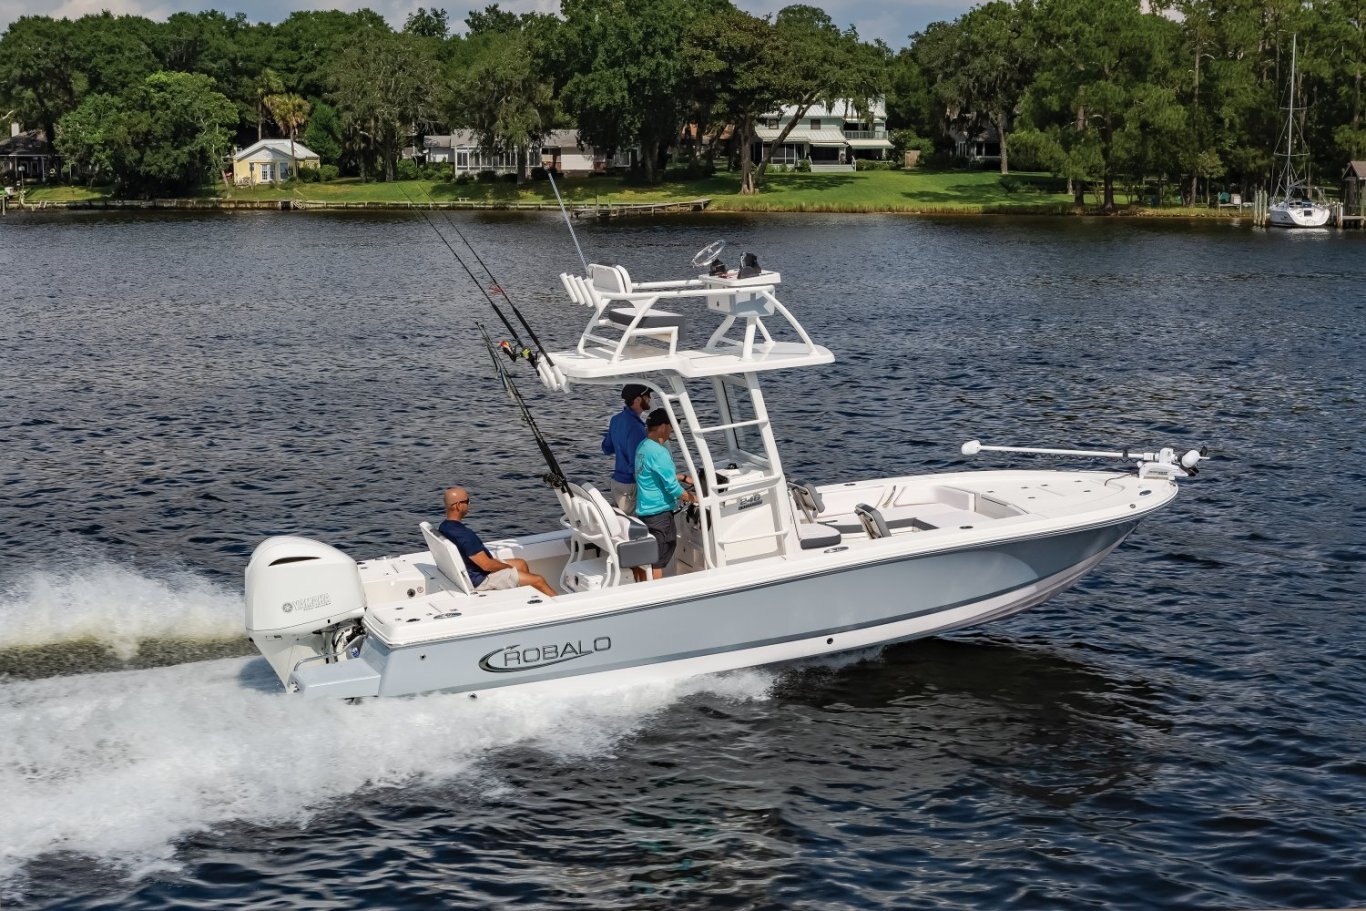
x=486, y=573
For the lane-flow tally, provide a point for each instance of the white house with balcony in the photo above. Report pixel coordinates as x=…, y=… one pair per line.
x=831, y=139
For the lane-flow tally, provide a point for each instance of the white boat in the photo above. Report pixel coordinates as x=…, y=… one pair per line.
x=768, y=569
x=1293, y=204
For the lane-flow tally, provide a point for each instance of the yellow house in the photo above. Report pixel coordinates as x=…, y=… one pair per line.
x=269, y=160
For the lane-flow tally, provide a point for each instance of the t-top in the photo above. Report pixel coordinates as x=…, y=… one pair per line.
x=623, y=436
x=657, y=487
x=469, y=545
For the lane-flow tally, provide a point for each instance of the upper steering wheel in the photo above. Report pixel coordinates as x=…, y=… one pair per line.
x=708, y=253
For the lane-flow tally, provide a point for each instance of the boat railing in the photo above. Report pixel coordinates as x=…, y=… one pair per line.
x=627, y=312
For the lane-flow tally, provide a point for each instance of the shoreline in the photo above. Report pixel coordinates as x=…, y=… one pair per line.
x=624, y=210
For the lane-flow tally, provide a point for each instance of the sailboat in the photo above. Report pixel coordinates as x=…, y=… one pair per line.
x=1293, y=205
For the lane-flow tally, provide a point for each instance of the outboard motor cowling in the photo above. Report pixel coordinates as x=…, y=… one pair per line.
x=298, y=591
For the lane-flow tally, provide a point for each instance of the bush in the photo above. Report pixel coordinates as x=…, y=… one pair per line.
x=803, y=166
x=486, y=176
x=328, y=172
x=309, y=175
x=508, y=178
x=867, y=164
x=435, y=170
x=406, y=170
x=1011, y=184
x=463, y=178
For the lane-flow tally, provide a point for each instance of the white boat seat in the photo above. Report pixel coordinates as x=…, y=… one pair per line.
x=815, y=536
x=447, y=558
x=635, y=545
x=874, y=525
x=601, y=536
x=807, y=498
x=653, y=319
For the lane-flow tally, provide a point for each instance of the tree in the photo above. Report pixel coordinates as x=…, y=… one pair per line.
x=381, y=86
x=816, y=63
x=984, y=65
x=503, y=97
x=734, y=53
x=167, y=135
x=626, y=79
x=428, y=23
x=1107, y=63
x=490, y=20
x=323, y=133
x=266, y=85
x=290, y=112
x=39, y=71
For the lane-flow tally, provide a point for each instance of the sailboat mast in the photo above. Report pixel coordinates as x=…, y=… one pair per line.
x=1290, y=125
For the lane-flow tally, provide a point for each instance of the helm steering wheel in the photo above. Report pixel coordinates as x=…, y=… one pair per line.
x=708, y=253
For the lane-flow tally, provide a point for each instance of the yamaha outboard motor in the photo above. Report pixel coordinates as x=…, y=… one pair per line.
x=303, y=599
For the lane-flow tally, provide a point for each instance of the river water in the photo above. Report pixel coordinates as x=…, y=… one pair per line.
x=1183, y=729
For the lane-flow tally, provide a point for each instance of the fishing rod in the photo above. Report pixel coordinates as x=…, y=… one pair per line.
x=549, y=172
x=555, y=477
x=522, y=349
x=550, y=377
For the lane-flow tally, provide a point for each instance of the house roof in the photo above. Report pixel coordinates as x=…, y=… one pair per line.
x=276, y=145
x=829, y=137
x=1356, y=169
x=31, y=143
x=869, y=143
x=563, y=139
x=842, y=109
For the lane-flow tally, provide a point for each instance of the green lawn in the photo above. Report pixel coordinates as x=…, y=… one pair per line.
x=918, y=190
x=36, y=194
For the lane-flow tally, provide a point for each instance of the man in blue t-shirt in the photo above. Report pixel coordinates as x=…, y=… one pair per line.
x=486, y=573
x=659, y=487
x=623, y=436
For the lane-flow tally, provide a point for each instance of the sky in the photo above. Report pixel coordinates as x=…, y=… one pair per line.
x=891, y=21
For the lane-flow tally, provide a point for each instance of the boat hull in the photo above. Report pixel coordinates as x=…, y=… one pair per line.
x=1314, y=216
x=852, y=607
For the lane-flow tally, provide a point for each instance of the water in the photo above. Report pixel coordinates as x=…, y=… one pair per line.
x=1184, y=729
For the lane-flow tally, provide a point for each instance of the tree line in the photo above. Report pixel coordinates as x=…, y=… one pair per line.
x=1181, y=93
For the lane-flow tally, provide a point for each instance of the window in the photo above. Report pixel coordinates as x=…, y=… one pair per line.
x=267, y=170
x=815, y=123
x=462, y=160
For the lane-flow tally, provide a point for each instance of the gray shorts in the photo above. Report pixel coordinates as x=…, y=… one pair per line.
x=497, y=581
x=665, y=531
x=623, y=497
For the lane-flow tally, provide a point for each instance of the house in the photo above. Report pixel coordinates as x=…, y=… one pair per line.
x=26, y=156
x=271, y=160
x=831, y=139
x=460, y=148
x=560, y=150
x=977, y=146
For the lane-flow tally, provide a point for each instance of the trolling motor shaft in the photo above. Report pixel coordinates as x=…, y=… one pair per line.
x=1162, y=463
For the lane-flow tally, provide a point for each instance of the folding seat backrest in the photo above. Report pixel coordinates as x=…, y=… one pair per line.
x=874, y=525
x=447, y=558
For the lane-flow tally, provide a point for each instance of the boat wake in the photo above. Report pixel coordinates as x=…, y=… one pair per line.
x=119, y=767
x=104, y=616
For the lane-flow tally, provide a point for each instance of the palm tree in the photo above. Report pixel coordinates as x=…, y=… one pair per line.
x=290, y=112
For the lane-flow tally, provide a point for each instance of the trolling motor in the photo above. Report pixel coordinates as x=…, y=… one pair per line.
x=1162, y=464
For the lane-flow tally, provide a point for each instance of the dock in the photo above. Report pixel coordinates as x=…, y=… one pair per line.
x=613, y=210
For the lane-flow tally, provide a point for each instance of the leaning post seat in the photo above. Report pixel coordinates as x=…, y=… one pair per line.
x=628, y=310
x=596, y=527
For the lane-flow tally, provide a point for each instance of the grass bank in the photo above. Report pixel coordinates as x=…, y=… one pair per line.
x=922, y=191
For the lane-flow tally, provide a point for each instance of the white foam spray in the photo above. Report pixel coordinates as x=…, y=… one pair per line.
x=119, y=766
x=116, y=606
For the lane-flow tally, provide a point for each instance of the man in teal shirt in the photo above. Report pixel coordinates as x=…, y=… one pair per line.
x=658, y=487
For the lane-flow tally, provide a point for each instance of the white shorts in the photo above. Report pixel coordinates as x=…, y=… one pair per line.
x=497, y=581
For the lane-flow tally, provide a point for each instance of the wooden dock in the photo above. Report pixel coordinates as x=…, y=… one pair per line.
x=612, y=209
